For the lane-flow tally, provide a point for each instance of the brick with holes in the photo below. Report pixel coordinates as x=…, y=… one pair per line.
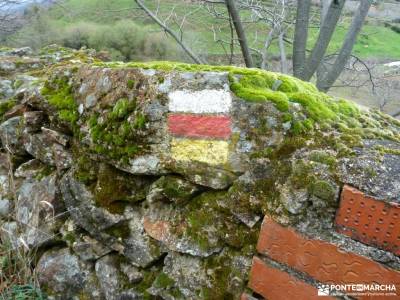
x=276, y=284
x=323, y=261
x=370, y=221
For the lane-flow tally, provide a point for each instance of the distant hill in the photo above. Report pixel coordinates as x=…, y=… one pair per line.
x=22, y=4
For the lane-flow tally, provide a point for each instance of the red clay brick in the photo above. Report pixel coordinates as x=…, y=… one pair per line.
x=323, y=261
x=201, y=126
x=275, y=284
x=369, y=221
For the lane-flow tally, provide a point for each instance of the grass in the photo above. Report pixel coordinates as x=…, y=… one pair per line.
x=372, y=42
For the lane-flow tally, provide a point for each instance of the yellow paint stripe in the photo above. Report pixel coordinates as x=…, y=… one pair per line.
x=206, y=151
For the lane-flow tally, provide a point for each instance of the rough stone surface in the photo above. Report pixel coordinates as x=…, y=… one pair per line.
x=150, y=180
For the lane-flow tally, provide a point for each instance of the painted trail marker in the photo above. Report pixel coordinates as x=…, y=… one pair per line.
x=200, y=125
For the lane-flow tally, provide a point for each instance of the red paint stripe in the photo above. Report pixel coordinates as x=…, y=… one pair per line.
x=199, y=126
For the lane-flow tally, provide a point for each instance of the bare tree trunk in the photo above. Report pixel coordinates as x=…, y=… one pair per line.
x=284, y=67
x=264, y=52
x=324, y=9
x=334, y=71
x=192, y=55
x=300, y=37
x=324, y=37
x=230, y=4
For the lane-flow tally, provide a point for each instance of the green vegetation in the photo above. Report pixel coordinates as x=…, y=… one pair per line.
x=115, y=136
x=59, y=94
x=107, y=25
x=6, y=106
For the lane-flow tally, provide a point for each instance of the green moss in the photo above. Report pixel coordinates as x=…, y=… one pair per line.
x=148, y=278
x=116, y=137
x=115, y=189
x=58, y=94
x=323, y=190
x=163, y=281
x=45, y=171
x=85, y=169
x=323, y=158
x=322, y=111
x=130, y=84
x=120, y=230
x=6, y=106
x=383, y=150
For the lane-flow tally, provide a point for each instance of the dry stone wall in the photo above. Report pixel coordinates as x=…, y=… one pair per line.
x=169, y=181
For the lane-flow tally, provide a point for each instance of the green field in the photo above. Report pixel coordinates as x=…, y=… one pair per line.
x=375, y=40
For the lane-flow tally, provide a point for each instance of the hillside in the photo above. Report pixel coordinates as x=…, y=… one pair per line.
x=197, y=30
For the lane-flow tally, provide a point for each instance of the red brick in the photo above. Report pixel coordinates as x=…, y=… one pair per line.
x=369, y=221
x=200, y=126
x=275, y=284
x=323, y=261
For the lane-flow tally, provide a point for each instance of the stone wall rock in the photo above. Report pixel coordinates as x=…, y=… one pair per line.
x=151, y=181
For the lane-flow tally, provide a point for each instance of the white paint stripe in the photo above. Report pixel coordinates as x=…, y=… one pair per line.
x=204, y=101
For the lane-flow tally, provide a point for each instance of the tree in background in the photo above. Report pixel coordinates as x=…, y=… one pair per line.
x=305, y=67
x=278, y=18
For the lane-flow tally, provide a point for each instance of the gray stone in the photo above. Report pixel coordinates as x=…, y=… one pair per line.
x=38, y=203
x=4, y=208
x=108, y=274
x=6, y=90
x=132, y=272
x=43, y=148
x=90, y=100
x=31, y=168
x=63, y=276
x=369, y=173
x=9, y=234
x=89, y=249
x=56, y=136
x=172, y=188
x=23, y=51
x=33, y=121
x=139, y=248
x=295, y=201
x=11, y=135
x=7, y=66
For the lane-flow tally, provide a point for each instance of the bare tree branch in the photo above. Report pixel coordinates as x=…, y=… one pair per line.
x=168, y=30
x=300, y=37
x=328, y=78
x=230, y=4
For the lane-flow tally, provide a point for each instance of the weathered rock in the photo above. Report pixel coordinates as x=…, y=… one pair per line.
x=139, y=248
x=107, y=271
x=82, y=207
x=56, y=136
x=369, y=171
x=11, y=135
x=6, y=90
x=166, y=170
x=32, y=168
x=89, y=249
x=38, y=204
x=44, y=149
x=33, y=121
x=9, y=234
x=174, y=282
x=63, y=276
x=172, y=188
x=4, y=208
x=132, y=272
